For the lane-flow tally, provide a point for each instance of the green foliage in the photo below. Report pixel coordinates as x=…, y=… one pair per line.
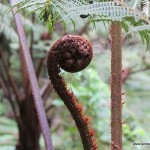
x=63, y=10
x=145, y=34
x=2, y=105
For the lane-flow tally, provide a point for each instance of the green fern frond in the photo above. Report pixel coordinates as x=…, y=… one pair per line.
x=145, y=36
x=133, y=13
x=125, y=26
x=139, y=28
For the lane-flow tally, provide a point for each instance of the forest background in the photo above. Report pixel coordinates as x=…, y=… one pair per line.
x=92, y=86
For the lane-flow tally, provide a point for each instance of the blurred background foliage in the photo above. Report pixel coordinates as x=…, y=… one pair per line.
x=92, y=86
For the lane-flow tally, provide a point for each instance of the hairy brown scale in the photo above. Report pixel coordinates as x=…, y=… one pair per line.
x=72, y=53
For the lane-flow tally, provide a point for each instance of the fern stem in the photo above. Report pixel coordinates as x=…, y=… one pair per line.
x=33, y=82
x=73, y=54
x=116, y=86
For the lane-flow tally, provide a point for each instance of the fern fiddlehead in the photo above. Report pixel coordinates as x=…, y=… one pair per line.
x=72, y=53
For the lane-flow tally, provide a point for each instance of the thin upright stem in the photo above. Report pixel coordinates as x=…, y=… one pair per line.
x=33, y=82
x=116, y=86
x=72, y=53
x=32, y=36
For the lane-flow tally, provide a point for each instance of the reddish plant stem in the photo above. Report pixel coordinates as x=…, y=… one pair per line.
x=33, y=82
x=39, y=67
x=116, y=86
x=32, y=36
x=29, y=131
x=77, y=49
x=23, y=70
x=46, y=87
x=71, y=103
x=37, y=72
x=28, y=92
x=45, y=92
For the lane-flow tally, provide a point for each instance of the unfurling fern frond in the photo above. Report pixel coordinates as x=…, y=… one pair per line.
x=63, y=10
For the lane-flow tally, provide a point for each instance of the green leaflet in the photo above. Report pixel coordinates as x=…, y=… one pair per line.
x=63, y=10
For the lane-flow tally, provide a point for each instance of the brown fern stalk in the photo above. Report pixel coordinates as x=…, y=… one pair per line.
x=116, y=86
x=72, y=53
x=33, y=81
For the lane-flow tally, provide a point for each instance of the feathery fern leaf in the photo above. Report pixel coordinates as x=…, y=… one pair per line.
x=139, y=28
x=129, y=14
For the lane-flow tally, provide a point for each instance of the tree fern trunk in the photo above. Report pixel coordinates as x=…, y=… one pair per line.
x=29, y=131
x=116, y=86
